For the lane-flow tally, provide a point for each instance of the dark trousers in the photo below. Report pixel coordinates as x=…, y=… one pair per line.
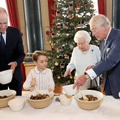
x=13, y=85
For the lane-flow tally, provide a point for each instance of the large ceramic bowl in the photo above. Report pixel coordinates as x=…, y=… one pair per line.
x=6, y=76
x=40, y=103
x=68, y=89
x=4, y=101
x=17, y=104
x=89, y=105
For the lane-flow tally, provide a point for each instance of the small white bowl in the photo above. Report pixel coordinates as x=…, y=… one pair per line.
x=6, y=76
x=68, y=89
x=16, y=104
x=65, y=101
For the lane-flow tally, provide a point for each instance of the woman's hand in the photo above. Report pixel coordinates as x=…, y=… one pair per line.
x=33, y=82
x=68, y=72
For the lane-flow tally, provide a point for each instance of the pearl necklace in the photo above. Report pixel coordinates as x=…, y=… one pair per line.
x=85, y=52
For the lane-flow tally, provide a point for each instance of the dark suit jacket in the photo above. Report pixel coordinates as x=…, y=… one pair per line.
x=14, y=52
x=110, y=62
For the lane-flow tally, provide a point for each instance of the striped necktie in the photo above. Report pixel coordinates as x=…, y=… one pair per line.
x=2, y=42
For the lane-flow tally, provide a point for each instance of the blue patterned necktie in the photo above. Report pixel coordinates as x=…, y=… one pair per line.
x=2, y=42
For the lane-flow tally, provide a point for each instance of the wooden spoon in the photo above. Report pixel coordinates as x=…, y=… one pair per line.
x=36, y=89
x=84, y=96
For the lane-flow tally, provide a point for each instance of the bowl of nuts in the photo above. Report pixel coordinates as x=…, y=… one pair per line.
x=41, y=100
x=95, y=98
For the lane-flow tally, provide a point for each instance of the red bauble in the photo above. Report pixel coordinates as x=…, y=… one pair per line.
x=78, y=5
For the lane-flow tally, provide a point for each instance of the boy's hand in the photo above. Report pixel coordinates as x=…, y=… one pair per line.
x=33, y=82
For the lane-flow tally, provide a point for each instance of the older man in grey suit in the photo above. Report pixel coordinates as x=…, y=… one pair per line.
x=110, y=59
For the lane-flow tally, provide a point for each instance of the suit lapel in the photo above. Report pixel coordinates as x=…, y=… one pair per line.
x=106, y=48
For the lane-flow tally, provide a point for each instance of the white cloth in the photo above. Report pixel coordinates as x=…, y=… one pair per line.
x=108, y=110
x=80, y=61
x=44, y=79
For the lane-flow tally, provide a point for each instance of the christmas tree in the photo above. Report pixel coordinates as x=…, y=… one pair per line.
x=71, y=16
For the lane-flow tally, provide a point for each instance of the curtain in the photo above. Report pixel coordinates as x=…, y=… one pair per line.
x=51, y=11
x=101, y=7
x=12, y=13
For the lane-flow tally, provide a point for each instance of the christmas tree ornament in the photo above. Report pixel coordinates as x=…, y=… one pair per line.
x=52, y=67
x=58, y=56
x=71, y=24
x=71, y=6
x=77, y=10
x=58, y=13
x=64, y=34
x=67, y=12
x=52, y=34
x=58, y=50
x=58, y=77
x=56, y=63
x=62, y=74
x=76, y=28
x=59, y=25
x=47, y=32
x=92, y=5
x=78, y=5
x=64, y=26
x=66, y=56
x=89, y=2
x=77, y=15
x=62, y=65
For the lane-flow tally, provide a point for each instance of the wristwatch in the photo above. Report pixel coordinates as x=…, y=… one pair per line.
x=86, y=75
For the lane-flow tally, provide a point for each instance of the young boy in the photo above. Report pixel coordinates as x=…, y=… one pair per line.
x=40, y=76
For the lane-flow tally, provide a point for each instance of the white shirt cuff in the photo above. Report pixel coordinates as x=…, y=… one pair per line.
x=91, y=74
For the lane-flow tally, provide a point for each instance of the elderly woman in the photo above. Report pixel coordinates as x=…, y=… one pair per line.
x=83, y=55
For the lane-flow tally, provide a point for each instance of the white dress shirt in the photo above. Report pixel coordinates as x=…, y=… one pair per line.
x=80, y=61
x=4, y=37
x=44, y=79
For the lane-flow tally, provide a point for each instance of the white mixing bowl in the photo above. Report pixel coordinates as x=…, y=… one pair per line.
x=6, y=76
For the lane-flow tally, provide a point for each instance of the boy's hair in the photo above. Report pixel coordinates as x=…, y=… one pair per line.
x=36, y=54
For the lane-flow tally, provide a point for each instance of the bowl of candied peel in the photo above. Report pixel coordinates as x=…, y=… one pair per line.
x=95, y=99
x=41, y=100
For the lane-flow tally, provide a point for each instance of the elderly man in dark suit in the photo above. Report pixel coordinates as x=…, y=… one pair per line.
x=11, y=52
x=110, y=59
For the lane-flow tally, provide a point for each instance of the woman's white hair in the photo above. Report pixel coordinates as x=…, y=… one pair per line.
x=82, y=34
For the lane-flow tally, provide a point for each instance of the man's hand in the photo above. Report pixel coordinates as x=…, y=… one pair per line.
x=80, y=80
x=68, y=72
x=13, y=65
x=89, y=67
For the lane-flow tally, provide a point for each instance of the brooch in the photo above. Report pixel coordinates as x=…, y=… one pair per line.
x=107, y=50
